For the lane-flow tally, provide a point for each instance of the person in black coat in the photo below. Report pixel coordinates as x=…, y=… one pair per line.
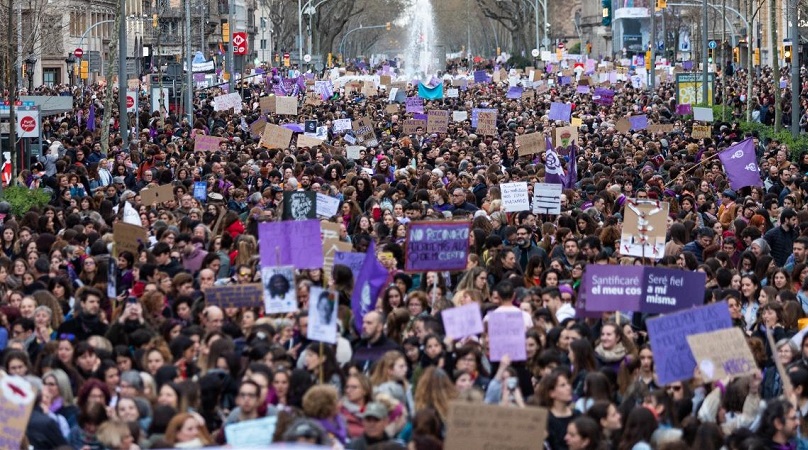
x=43, y=432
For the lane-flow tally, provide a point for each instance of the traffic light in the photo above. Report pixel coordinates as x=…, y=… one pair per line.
x=387, y=26
x=661, y=4
x=607, y=12
x=648, y=60
x=756, y=57
x=154, y=20
x=787, y=53
x=84, y=69
x=710, y=55
x=736, y=55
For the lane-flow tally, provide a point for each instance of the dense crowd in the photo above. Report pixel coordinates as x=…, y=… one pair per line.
x=125, y=353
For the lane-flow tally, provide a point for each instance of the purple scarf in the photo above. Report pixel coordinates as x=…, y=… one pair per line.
x=336, y=427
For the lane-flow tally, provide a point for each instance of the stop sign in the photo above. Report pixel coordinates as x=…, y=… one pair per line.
x=130, y=101
x=28, y=123
x=78, y=53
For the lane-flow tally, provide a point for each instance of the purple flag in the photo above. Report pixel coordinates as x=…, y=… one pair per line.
x=553, y=173
x=369, y=282
x=572, y=169
x=741, y=165
x=91, y=118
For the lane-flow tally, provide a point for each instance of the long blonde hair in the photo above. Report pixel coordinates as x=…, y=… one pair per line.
x=381, y=370
x=435, y=390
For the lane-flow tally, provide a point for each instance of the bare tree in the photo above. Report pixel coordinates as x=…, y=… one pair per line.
x=515, y=16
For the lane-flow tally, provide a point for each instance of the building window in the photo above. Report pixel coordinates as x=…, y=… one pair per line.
x=51, y=77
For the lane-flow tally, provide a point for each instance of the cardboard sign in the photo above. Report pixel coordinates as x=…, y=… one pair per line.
x=547, y=198
x=436, y=245
x=437, y=121
x=472, y=426
x=515, y=197
x=257, y=127
x=385, y=80
x=308, y=141
x=15, y=406
x=623, y=125
x=286, y=105
x=506, y=335
x=528, y=94
x=644, y=227
x=392, y=108
x=267, y=104
x=722, y=353
x=157, y=194
x=276, y=136
x=487, y=124
x=204, y=143
x=235, y=295
x=365, y=134
x=673, y=360
x=660, y=128
x=564, y=136
x=411, y=125
x=462, y=321
x=701, y=131
x=532, y=143
x=128, y=238
x=299, y=205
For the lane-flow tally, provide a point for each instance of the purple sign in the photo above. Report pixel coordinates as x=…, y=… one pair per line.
x=462, y=321
x=582, y=89
x=514, y=92
x=420, y=117
x=673, y=360
x=687, y=65
x=415, y=105
x=480, y=76
x=354, y=260
x=291, y=243
x=506, y=335
x=603, y=96
x=565, y=81
x=645, y=289
x=684, y=109
x=560, y=111
x=475, y=114
x=436, y=246
x=639, y=122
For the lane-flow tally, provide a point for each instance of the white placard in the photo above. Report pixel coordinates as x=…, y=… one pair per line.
x=703, y=114
x=327, y=206
x=350, y=139
x=342, y=125
x=453, y=93
x=392, y=97
x=459, y=116
x=352, y=151
x=156, y=96
x=227, y=101
x=514, y=196
x=547, y=198
x=322, y=316
x=133, y=95
x=280, y=294
x=546, y=56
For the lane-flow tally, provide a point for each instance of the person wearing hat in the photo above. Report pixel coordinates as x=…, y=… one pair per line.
x=374, y=419
x=728, y=209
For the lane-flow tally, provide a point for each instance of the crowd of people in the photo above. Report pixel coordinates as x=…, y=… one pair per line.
x=123, y=351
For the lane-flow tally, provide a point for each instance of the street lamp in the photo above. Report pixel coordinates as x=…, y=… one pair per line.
x=30, y=62
x=71, y=62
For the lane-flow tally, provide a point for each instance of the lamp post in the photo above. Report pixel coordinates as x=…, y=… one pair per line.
x=71, y=62
x=30, y=64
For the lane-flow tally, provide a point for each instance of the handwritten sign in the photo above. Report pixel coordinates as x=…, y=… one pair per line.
x=299, y=205
x=235, y=295
x=15, y=410
x=308, y=141
x=531, y=143
x=462, y=321
x=251, y=433
x=412, y=125
x=459, y=116
x=647, y=240
x=565, y=136
x=342, y=125
x=472, y=426
x=128, y=238
x=506, y=335
x=227, y=101
x=157, y=194
x=354, y=260
x=722, y=353
x=673, y=360
x=204, y=143
x=415, y=105
x=291, y=243
x=285, y=105
x=515, y=197
x=276, y=136
x=660, y=127
x=437, y=121
x=487, y=123
x=327, y=206
x=436, y=245
x=547, y=198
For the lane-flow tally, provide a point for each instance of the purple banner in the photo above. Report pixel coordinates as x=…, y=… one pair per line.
x=582, y=89
x=612, y=288
x=673, y=360
x=669, y=290
x=437, y=246
x=415, y=105
x=603, y=96
x=480, y=76
x=291, y=243
x=684, y=109
x=560, y=111
x=514, y=92
x=639, y=122
x=506, y=335
x=740, y=163
x=354, y=260
x=564, y=81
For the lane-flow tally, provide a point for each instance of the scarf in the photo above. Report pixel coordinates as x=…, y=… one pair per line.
x=336, y=428
x=613, y=355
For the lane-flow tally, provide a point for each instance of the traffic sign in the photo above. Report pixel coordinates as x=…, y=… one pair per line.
x=307, y=58
x=712, y=44
x=27, y=123
x=240, y=43
x=535, y=52
x=78, y=53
